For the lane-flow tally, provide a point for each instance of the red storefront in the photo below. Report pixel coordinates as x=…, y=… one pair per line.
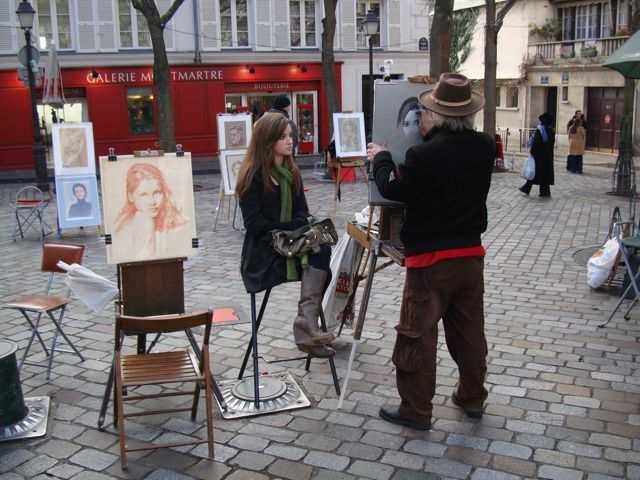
x=119, y=101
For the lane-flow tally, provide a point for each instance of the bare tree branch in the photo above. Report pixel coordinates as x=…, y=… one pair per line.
x=164, y=19
x=506, y=6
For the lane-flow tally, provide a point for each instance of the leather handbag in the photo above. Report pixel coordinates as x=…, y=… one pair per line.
x=304, y=240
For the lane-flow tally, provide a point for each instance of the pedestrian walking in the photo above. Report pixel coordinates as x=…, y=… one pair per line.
x=542, y=144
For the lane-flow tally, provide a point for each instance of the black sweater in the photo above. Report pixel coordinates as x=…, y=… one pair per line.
x=444, y=183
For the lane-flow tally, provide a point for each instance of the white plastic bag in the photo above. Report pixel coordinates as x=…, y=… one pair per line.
x=95, y=291
x=529, y=168
x=601, y=263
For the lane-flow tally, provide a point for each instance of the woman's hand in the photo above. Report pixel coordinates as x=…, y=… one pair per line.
x=374, y=148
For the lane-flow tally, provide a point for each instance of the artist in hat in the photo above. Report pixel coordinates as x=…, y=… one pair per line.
x=444, y=182
x=282, y=104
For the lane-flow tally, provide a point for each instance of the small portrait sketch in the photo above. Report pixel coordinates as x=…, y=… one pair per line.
x=77, y=201
x=73, y=146
x=230, y=165
x=81, y=206
x=350, y=136
x=235, y=135
x=148, y=208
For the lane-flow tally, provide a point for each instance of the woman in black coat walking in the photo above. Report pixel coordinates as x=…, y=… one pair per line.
x=271, y=197
x=542, y=143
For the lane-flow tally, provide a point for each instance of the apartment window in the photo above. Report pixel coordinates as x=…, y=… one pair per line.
x=586, y=21
x=361, y=13
x=234, y=23
x=623, y=15
x=140, y=108
x=512, y=97
x=134, y=31
x=564, y=96
x=54, y=24
x=303, y=23
x=498, y=96
x=605, y=21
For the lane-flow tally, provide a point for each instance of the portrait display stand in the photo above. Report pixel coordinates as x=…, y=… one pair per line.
x=337, y=166
x=230, y=161
x=148, y=288
x=383, y=243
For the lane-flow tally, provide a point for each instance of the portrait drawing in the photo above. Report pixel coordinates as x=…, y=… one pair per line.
x=234, y=130
x=148, y=204
x=73, y=152
x=230, y=165
x=77, y=200
x=349, y=134
x=235, y=135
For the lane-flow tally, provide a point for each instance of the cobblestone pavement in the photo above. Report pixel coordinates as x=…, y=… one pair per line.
x=564, y=394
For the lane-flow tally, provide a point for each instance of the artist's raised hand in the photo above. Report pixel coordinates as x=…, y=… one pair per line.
x=374, y=148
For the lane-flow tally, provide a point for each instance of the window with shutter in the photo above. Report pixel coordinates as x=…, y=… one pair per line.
x=86, y=26
x=393, y=25
x=8, y=25
x=54, y=24
x=209, y=31
x=106, y=21
x=263, y=25
x=234, y=23
x=134, y=31
x=281, y=24
x=348, y=24
x=303, y=20
x=362, y=7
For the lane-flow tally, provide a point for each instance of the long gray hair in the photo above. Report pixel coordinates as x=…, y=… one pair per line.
x=455, y=124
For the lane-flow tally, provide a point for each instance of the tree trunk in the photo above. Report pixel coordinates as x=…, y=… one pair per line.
x=490, y=61
x=328, y=60
x=440, y=38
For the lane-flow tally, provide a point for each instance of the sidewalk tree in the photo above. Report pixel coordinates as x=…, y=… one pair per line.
x=161, y=77
x=328, y=59
x=492, y=27
x=440, y=38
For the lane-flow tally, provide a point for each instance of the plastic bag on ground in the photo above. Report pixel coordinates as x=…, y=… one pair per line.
x=601, y=263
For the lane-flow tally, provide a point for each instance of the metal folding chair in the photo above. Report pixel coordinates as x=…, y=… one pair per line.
x=627, y=234
x=49, y=304
x=28, y=207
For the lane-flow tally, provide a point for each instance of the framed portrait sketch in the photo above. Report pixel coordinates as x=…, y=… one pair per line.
x=73, y=152
x=234, y=131
x=148, y=207
x=396, y=116
x=349, y=134
x=230, y=161
x=78, y=202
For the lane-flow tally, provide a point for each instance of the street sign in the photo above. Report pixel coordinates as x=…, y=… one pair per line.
x=38, y=73
x=22, y=55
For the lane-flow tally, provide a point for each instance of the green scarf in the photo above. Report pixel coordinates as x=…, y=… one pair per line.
x=285, y=178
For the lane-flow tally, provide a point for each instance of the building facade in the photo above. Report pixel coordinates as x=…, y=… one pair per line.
x=224, y=55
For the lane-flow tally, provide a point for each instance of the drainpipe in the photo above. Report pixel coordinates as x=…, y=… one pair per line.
x=196, y=30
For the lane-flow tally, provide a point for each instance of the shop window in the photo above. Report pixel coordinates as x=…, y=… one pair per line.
x=134, y=32
x=361, y=12
x=498, y=97
x=234, y=23
x=232, y=103
x=140, y=107
x=54, y=24
x=303, y=23
x=512, y=97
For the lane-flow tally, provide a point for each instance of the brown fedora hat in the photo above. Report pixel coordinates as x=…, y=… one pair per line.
x=452, y=96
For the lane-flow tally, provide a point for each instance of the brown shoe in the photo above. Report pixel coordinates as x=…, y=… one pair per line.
x=467, y=411
x=319, y=351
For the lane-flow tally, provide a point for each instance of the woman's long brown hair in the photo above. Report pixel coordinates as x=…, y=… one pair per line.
x=266, y=132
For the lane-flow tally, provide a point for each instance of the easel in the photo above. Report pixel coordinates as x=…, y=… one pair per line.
x=385, y=243
x=154, y=287
x=337, y=165
x=221, y=200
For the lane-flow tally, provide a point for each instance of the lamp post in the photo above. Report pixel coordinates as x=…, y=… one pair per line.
x=26, y=15
x=370, y=26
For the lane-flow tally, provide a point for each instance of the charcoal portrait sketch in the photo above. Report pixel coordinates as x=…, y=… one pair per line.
x=230, y=165
x=73, y=146
x=148, y=207
x=73, y=152
x=77, y=199
x=235, y=135
x=234, y=131
x=349, y=134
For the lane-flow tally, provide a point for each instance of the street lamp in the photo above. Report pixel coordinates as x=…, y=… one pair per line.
x=26, y=15
x=370, y=26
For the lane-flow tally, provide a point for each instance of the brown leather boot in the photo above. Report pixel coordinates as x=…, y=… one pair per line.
x=305, y=327
x=320, y=351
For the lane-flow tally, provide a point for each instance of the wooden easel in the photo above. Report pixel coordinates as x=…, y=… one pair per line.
x=337, y=165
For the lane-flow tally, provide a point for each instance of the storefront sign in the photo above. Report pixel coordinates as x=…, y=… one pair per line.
x=544, y=80
x=147, y=76
x=271, y=86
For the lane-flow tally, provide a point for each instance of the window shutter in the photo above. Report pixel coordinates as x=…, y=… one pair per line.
x=348, y=24
x=8, y=44
x=282, y=40
x=263, y=25
x=393, y=25
x=169, y=35
x=106, y=26
x=86, y=26
x=209, y=32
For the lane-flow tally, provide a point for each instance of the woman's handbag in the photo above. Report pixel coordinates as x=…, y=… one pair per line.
x=303, y=240
x=529, y=168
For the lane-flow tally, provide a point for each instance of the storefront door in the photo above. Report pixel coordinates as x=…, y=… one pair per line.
x=304, y=113
x=604, y=116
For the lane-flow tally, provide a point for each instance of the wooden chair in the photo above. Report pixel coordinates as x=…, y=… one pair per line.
x=176, y=366
x=47, y=304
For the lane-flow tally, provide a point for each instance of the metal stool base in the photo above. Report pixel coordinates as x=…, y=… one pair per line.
x=278, y=392
x=33, y=425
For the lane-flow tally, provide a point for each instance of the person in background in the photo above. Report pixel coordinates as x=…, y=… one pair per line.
x=577, y=134
x=282, y=104
x=542, y=143
x=271, y=197
x=444, y=183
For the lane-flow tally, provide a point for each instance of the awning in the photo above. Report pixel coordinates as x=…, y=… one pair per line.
x=626, y=59
x=53, y=93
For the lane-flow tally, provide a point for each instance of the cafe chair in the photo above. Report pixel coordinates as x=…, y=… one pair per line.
x=37, y=305
x=627, y=235
x=164, y=368
x=28, y=207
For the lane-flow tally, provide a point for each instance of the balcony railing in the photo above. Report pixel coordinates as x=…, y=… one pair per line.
x=573, y=51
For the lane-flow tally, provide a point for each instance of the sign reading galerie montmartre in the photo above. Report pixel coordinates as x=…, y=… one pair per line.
x=147, y=76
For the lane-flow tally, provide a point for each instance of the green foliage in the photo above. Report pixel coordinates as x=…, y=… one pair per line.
x=463, y=23
x=549, y=30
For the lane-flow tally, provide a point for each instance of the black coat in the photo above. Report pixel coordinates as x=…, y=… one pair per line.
x=260, y=266
x=444, y=182
x=543, y=155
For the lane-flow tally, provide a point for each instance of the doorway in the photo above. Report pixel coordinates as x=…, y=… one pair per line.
x=604, y=116
x=304, y=108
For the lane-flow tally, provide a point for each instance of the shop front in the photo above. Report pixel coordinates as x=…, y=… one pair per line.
x=120, y=102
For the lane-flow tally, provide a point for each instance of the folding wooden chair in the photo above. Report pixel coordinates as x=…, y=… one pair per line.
x=176, y=366
x=49, y=304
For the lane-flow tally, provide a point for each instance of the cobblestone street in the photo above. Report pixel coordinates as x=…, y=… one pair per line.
x=564, y=395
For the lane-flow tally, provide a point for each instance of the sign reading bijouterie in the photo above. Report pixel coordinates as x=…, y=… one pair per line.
x=271, y=85
x=147, y=76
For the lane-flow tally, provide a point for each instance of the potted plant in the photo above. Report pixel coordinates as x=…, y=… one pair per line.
x=567, y=51
x=589, y=51
x=622, y=32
